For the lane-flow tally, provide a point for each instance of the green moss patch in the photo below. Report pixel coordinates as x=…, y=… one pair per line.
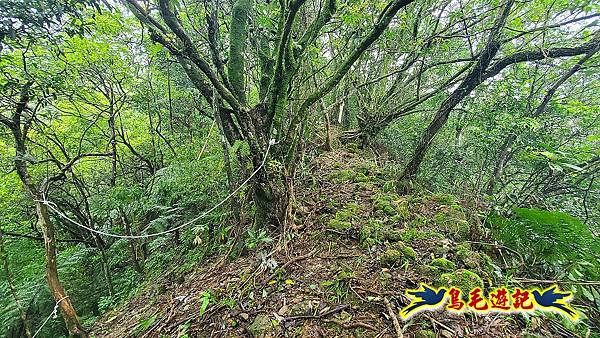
x=342, y=176
x=391, y=257
x=343, y=218
x=443, y=264
x=397, y=254
x=377, y=232
x=406, y=250
x=261, y=326
x=412, y=234
x=424, y=334
x=444, y=199
x=463, y=279
x=392, y=205
x=336, y=224
x=454, y=222
x=475, y=260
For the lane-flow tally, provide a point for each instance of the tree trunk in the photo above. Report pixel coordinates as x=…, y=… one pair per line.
x=328, y=142
x=233, y=204
x=113, y=147
x=58, y=292
x=136, y=257
x=64, y=303
x=272, y=192
x=105, y=267
x=471, y=81
x=432, y=129
x=505, y=151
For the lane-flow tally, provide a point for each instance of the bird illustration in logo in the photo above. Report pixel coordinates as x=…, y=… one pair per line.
x=553, y=299
x=425, y=297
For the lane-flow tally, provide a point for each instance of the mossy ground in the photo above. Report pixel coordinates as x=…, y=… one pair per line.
x=360, y=241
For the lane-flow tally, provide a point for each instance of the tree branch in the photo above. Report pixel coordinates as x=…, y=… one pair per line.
x=535, y=55
x=383, y=21
x=542, y=107
x=39, y=238
x=192, y=53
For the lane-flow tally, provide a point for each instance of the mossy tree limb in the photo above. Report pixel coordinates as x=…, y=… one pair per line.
x=238, y=36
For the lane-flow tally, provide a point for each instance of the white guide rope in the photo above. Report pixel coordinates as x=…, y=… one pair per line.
x=53, y=313
x=52, y=207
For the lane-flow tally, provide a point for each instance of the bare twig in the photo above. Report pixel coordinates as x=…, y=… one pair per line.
x=394, y=318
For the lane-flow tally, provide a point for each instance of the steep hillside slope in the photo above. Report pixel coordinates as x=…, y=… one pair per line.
x=341, y=272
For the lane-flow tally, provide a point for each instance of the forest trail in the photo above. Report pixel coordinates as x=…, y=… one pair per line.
x=359, y=248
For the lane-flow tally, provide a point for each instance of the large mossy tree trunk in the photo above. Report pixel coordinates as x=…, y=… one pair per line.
x=272, y=196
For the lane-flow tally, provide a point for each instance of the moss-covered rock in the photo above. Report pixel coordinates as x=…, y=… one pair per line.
x=443, y=264
x=381, y=201
x=459, y=229
x=444, y=199
x=397, y=254
x=473, y=259
x=392, y=205
x=463, y=279
x=420, y=221
x=406, y=250
x=343, y=218
x=454, y=222
x=261, y=326
x=412, y=234
x=461, y=251
x=442, y=247
x=424, y=334
x=391, y=257
x=342, y=176
x=376, y=232
x=428, y=271
x=336, y=224
x=370, y=233
x=392, y=234
x=301, y=308
x=479, y=261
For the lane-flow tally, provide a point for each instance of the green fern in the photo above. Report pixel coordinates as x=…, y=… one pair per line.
x=554, y=244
